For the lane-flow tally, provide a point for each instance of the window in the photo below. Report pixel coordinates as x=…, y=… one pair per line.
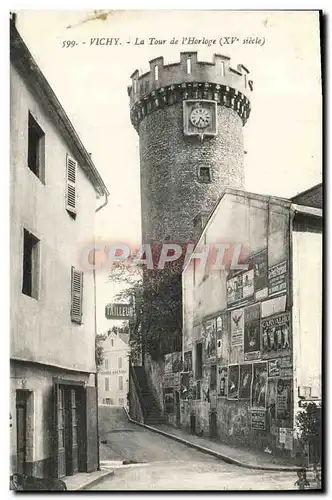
x=199, y=360
x=30, y=265
x=204, y=174
x=107, y=384
x=36, y=148
x=188, y=66
x=71, y=174
x=106, y=364
x=120, y=401
x=135, y=86
x=112, y=342
x=76, y=295
x=119, y=363
x=156, y=72
x=120, y=383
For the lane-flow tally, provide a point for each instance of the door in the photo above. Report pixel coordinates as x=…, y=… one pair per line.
x=213, y=424
x=59, y=431
x=71, y=446
x=21, y=429
x=177, y=402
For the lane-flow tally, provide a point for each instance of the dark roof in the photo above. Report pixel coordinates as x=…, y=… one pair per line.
x=23, y=61
x=312, y=197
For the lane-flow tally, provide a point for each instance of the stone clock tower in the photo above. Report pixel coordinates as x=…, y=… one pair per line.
x=189, y=117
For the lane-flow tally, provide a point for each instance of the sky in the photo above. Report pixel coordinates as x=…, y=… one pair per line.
x=282, y=136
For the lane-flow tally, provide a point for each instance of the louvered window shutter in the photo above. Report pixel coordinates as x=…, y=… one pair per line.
x=76, y=295
x=71, y=173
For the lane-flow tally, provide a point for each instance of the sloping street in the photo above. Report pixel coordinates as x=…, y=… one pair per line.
x=164, y=464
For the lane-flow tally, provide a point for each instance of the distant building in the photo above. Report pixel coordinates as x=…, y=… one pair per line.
x=114, y=373
x=312, y=197
x=54, y=187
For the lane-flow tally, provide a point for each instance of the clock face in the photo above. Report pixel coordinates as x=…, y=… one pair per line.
x=200, y=117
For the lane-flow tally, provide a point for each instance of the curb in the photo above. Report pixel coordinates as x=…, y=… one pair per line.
x=215, y=454
x=96, y=480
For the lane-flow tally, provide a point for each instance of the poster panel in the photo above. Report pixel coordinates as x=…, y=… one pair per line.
x=245, y=381
x=171, y=380
x=277, y=278
x=251, y=332
x=222, y=381
x=259, y=385
x=237, y=327
x=234, y=288
x=276, y=336
x=273, y=306
x=248, y=283
x=222, y=325
x=210, y=340
x=281, y=367
x=258, y=420
x=260, y=274
x=284, y=399
x=176, y=362
x=233, y=381
x=188, y=361
x=187, y=385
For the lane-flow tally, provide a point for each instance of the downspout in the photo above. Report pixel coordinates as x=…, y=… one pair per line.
x=95, y=327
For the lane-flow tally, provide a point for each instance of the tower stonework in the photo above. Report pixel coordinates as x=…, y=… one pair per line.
x=189, y=117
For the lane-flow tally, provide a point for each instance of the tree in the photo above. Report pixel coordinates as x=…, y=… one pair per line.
x=157, y=328
x=309, y=427
x=99, y=350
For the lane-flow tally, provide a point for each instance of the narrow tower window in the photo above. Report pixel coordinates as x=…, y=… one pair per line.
x=245, y=81
x=135, y=86
x=156, y=72
x=222, y=68
x=188, y=66
x=204, y=174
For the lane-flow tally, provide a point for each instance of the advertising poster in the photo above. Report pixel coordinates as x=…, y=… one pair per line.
x=245, y=381
x=258, y=420
x=210, y=339
x=187, y=385
x=260, y=274
x=248, y=283
x=259, y=385
x=176, y=362
x=284, y=399
x=281, y=367
x=273, y=306
x=237, y=327
x=277, y=278
x=188, y=361
x=168, y=363
x=222, y=381
x=233, y=381
x=222, y=337
x=276, y=336
x=171, y=379
x=251, y=332
x=234, y=290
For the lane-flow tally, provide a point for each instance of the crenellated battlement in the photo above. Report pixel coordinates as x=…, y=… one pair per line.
x=190, y=78
x=189, y=69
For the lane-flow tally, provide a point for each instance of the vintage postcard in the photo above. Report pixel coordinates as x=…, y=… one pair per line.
x=166, y=206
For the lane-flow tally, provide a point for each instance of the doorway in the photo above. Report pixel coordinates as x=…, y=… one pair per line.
x=177, y=406
x=21, y=430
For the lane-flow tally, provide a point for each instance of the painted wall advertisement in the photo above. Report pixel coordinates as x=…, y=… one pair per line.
x=277, y=278
x=188, y=361
x=245, y=381
x=260, y=274
x=222, y=381
x=258, y=419
x=237, y=327
x=234, y=290
x=233, y=381
x=252, y=333
x=259, y=385
x=276, y=336
x=210, y=338
x=222, y=336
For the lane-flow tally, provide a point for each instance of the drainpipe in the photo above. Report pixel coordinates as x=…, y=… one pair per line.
x=95, y=328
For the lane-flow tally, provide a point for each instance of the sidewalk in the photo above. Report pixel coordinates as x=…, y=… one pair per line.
x=84, y=480
x=242, y=457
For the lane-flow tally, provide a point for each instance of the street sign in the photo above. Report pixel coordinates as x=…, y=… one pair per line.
x=119, y=311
